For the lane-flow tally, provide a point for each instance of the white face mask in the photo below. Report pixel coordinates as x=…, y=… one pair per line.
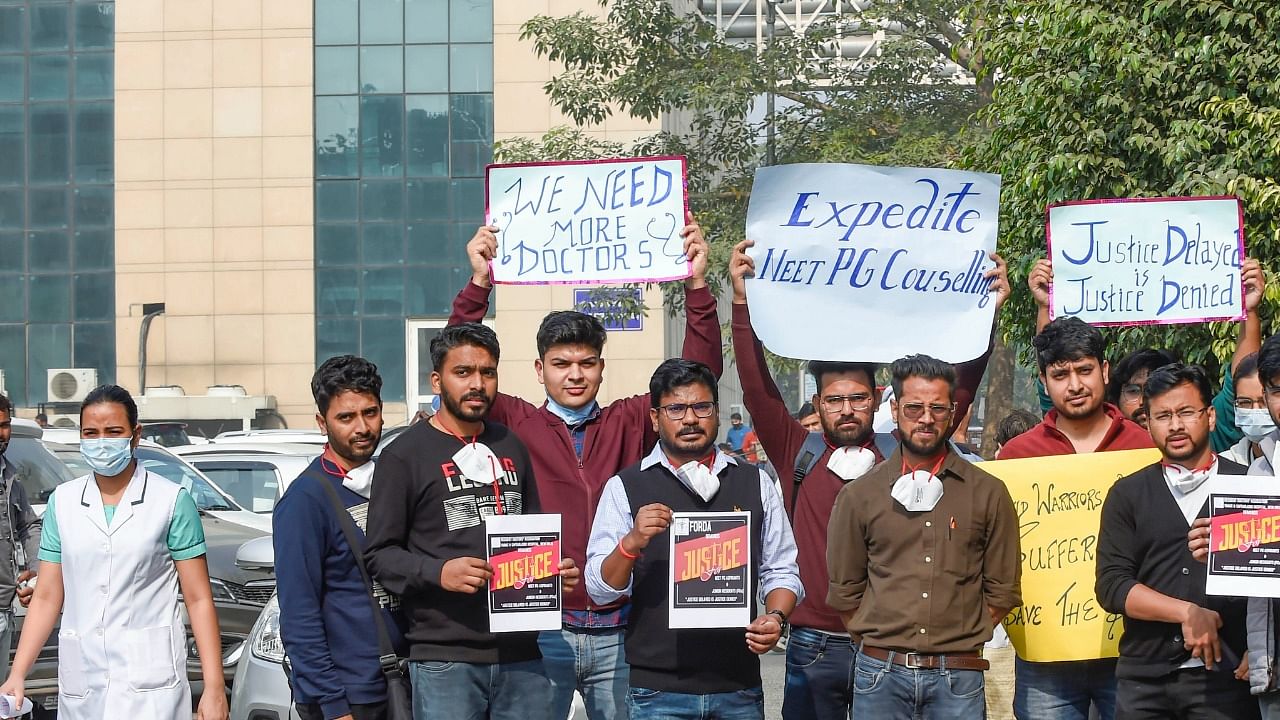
x=477, y=462
x=1255, y=423
x=700, y=479
x=360, y=480
x=1186, y=481
x=851, y=463
x=917, y=491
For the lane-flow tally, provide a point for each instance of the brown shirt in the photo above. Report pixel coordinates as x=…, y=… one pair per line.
x=922, y=581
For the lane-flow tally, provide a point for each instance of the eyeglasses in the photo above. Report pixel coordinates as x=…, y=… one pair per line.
x=1245, y=403
x=1186, y=415
x=1131, y=390
x=676, y=411
x=836, y=403
x=914, y=411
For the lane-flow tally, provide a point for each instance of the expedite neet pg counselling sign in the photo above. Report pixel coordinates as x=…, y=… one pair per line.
x=873, y=263
x=1147, y=260
x=586, y=222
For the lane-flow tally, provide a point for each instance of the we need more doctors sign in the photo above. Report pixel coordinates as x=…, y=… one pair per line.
x=1147, y=260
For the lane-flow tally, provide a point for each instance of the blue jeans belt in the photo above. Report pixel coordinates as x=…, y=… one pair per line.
x=951, y=661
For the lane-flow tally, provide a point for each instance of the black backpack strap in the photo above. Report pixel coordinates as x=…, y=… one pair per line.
x=814, y=445
x=387, y=654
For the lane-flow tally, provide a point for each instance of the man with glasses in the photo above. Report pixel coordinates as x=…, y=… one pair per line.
x=678, y=674
x=1181, y=651
x=1070, y=355
x=819, y=653
x=923, y=554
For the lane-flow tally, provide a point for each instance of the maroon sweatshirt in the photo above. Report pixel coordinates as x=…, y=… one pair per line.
x=1046, y=439
x=620, y=436
x=782, y=436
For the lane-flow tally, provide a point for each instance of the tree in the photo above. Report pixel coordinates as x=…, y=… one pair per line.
x=1130, y=99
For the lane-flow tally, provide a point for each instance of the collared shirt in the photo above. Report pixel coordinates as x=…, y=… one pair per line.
x=922, y=581
x=614, y=520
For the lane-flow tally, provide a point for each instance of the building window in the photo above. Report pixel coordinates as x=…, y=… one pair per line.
x=404, y=128
x=57, y=252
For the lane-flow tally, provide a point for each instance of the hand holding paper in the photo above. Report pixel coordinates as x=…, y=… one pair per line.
x=465, y=575
x=570, y=574
x=741, y=267
x=1198, y=539
x=697, y=251
x=481, y=250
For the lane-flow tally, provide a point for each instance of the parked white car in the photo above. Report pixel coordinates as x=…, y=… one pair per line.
x=255, y=474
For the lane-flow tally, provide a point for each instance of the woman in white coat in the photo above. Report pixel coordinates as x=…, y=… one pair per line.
x=115, y=548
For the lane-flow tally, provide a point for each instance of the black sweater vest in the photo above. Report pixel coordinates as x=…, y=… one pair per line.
x=696, y=662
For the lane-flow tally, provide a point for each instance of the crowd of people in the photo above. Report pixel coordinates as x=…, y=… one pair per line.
x=889, y=560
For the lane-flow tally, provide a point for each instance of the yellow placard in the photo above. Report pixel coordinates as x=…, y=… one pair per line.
x=1059, y=502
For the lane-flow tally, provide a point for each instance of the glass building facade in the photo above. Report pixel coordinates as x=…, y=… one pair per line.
x=57, y=287
x=403, y=131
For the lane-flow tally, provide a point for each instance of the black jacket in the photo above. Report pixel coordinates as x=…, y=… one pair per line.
x=1143, y=539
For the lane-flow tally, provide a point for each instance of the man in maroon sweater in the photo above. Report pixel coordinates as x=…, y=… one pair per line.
x=819, y=681
x=576, y=446
x=1070, y=355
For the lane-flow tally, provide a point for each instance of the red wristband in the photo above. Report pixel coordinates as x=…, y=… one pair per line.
x=626, y=554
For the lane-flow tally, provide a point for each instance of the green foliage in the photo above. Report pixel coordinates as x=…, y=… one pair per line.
x=1130, y=99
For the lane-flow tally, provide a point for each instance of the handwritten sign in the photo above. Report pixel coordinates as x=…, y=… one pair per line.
x=525, y=591
x=1147, y=260
x=588, y=222
x=847, y=257
x=1244, y=537
x=1059, y=502
x=710, y=570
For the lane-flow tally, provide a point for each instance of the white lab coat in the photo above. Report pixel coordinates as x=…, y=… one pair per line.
x=121, y=647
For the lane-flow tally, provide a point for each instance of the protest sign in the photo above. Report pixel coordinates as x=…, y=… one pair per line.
x=872, y=263
x=1059, y=503
x=1244, y=536
x=524, y=592
x=588, y=222
x=1147, y=260
x=710, y=570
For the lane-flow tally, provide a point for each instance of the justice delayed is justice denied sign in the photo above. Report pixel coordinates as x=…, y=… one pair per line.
x=1244, y=536
x=849, y=256
x=710, y=565
x=1059, y=504
x=588, y=222
x=525, y=590
x=1146, y=260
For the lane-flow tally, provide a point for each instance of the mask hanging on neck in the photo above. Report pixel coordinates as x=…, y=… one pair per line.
x=918, y=491
x=851, y=463
x=700, y=479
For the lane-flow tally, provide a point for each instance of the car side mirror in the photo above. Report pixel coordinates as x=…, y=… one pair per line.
x=257, y=554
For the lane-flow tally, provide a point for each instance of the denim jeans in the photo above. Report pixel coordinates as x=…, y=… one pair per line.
x=885, y=691
x=645, y=704
x=590, y=661
x=468, y=691
x=1064, y=690
x=819, y=676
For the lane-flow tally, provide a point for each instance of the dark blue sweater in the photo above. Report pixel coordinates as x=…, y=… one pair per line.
x=326, y=622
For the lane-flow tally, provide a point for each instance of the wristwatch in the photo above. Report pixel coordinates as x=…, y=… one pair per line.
x=782, y=618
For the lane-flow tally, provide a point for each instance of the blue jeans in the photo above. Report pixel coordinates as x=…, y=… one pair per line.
x=467, y=691
x=1064, y=690
x=590, y=661
x=884, y=691
x=819, y=676
x=644, y=704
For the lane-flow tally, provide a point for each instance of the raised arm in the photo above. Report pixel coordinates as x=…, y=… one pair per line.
x=702, y=324
x=1039, y=280
x=969, y=374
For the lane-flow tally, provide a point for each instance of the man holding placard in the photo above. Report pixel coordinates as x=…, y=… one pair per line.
x=1180, y=646
x=437, y=483
x=819, y=684
x=923, y=555
x=1071, y=357
x=693, y=536
x=576, y=445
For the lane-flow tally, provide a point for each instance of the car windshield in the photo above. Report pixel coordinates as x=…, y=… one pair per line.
x=38, y=470
x=166, y=465
x=166, y=435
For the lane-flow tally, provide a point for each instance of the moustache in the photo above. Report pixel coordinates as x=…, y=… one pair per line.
x=474, y=396
x=690, y=432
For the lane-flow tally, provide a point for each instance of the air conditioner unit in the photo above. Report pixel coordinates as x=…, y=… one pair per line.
x=71, y=384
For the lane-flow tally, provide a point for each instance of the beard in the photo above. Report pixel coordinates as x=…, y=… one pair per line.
x=346, y=450
x=687, y=443
x=456, y=408
x=1079, y=413
x=850, y=436
x=922, y=449
x=1178, y=456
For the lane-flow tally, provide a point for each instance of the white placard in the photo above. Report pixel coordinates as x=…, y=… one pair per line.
x=524, y=592
x=855, y=262
x=588, y=222
x=1244, y=538
x=710, y=580
x=1147, y=260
